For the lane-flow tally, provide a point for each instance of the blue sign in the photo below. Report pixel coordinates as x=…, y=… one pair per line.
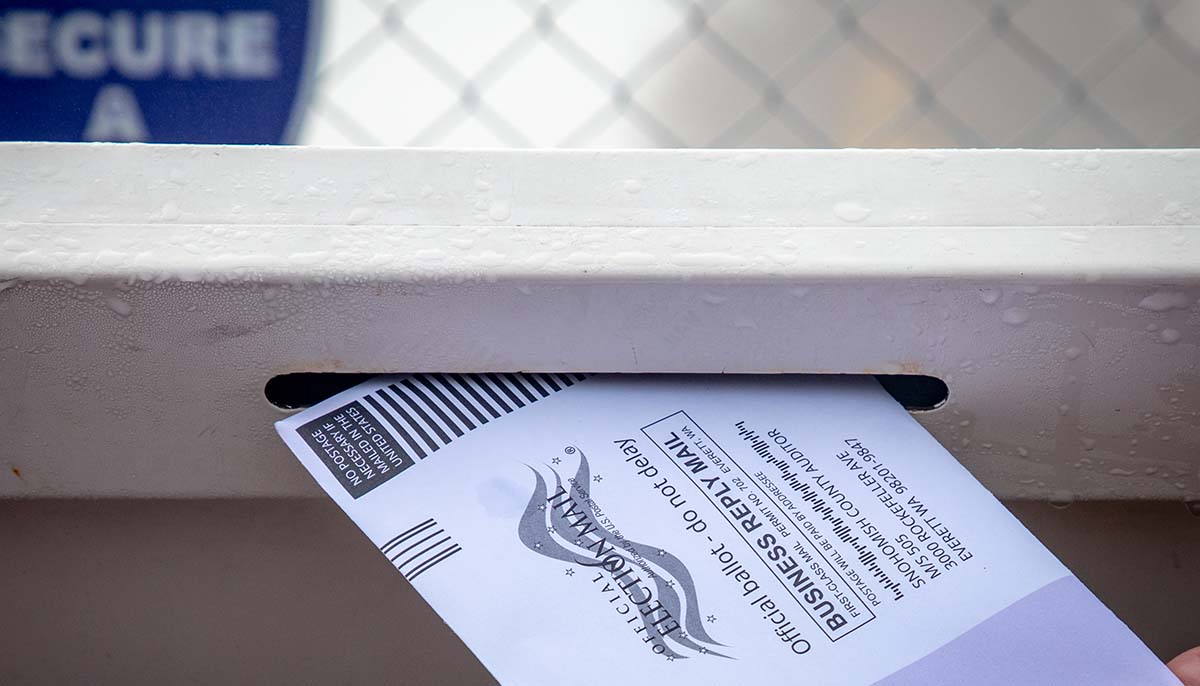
x=188, y=71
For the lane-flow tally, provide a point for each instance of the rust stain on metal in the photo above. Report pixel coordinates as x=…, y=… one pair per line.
x=16, y=472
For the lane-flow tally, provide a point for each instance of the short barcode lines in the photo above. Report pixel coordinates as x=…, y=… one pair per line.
x=420, y=548
x=428, y=411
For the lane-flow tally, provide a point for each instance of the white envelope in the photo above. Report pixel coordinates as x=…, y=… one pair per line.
x=702, y=530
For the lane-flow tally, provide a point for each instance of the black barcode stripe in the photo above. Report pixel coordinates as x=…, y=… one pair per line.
x=515, y=382
x=420, y=414
x=470, y=389
x=483, y=384
x=503, y=387
x=400, y=538
x=580, y=377
x=436, y=384
x=408, y=383
x=412, y=423
x=532, y=380
x=419, y=554
x=414, y=545
x=395, y=425
x=428, y=422
x=448, y=384
x=429, y=444
x=430, y=564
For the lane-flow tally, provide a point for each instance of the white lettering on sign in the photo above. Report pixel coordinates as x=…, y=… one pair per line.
x=251, y=39
x=77, y=42
x=86, y=44
x=25, y=51
x=137, y=54
x=115, y=116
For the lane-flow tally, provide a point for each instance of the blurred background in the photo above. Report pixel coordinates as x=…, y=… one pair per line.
x=608, y=73
x=759, y=73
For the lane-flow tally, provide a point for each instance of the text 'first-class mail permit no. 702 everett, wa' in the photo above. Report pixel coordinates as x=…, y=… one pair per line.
x=675, y=529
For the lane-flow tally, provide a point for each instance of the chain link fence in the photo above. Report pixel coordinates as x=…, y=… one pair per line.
x=758, y=73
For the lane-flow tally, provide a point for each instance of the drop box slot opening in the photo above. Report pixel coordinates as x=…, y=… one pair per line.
x=298, y=390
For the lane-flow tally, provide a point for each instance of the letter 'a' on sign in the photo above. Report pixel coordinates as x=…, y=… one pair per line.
x=155, y=71
x=116, y=116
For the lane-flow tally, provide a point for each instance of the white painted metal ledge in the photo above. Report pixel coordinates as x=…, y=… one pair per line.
x=148, y=293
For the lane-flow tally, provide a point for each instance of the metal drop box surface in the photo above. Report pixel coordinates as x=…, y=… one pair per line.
x=147, y=295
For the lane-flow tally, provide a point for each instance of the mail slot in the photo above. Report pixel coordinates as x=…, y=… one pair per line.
x=300, y=390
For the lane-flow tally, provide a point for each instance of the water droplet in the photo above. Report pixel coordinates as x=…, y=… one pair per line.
x=1072, y=353
x=169, y=212
x=714, y=299
x=1088, y=443
x=1074, y=236
x=5, y=285
x=1064, y=410
x=745, y=159
x=1169, y=336
x=989, y=295
x=1117, y=471
x=119, y=306
x=1015, y=316
x=1165, y=300
x=633, y=186
x=358, y=215
x=851, y=212
x=1022, y=451
x=425, y=191
x=1091, y=161
x=499, y=211
x=1061, y=499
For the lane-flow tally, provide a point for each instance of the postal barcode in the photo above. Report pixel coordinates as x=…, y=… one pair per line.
x=372, y=439
x=429, y=411
x=420, y=549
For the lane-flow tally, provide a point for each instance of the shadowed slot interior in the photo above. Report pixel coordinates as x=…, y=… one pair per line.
x=298, y=390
